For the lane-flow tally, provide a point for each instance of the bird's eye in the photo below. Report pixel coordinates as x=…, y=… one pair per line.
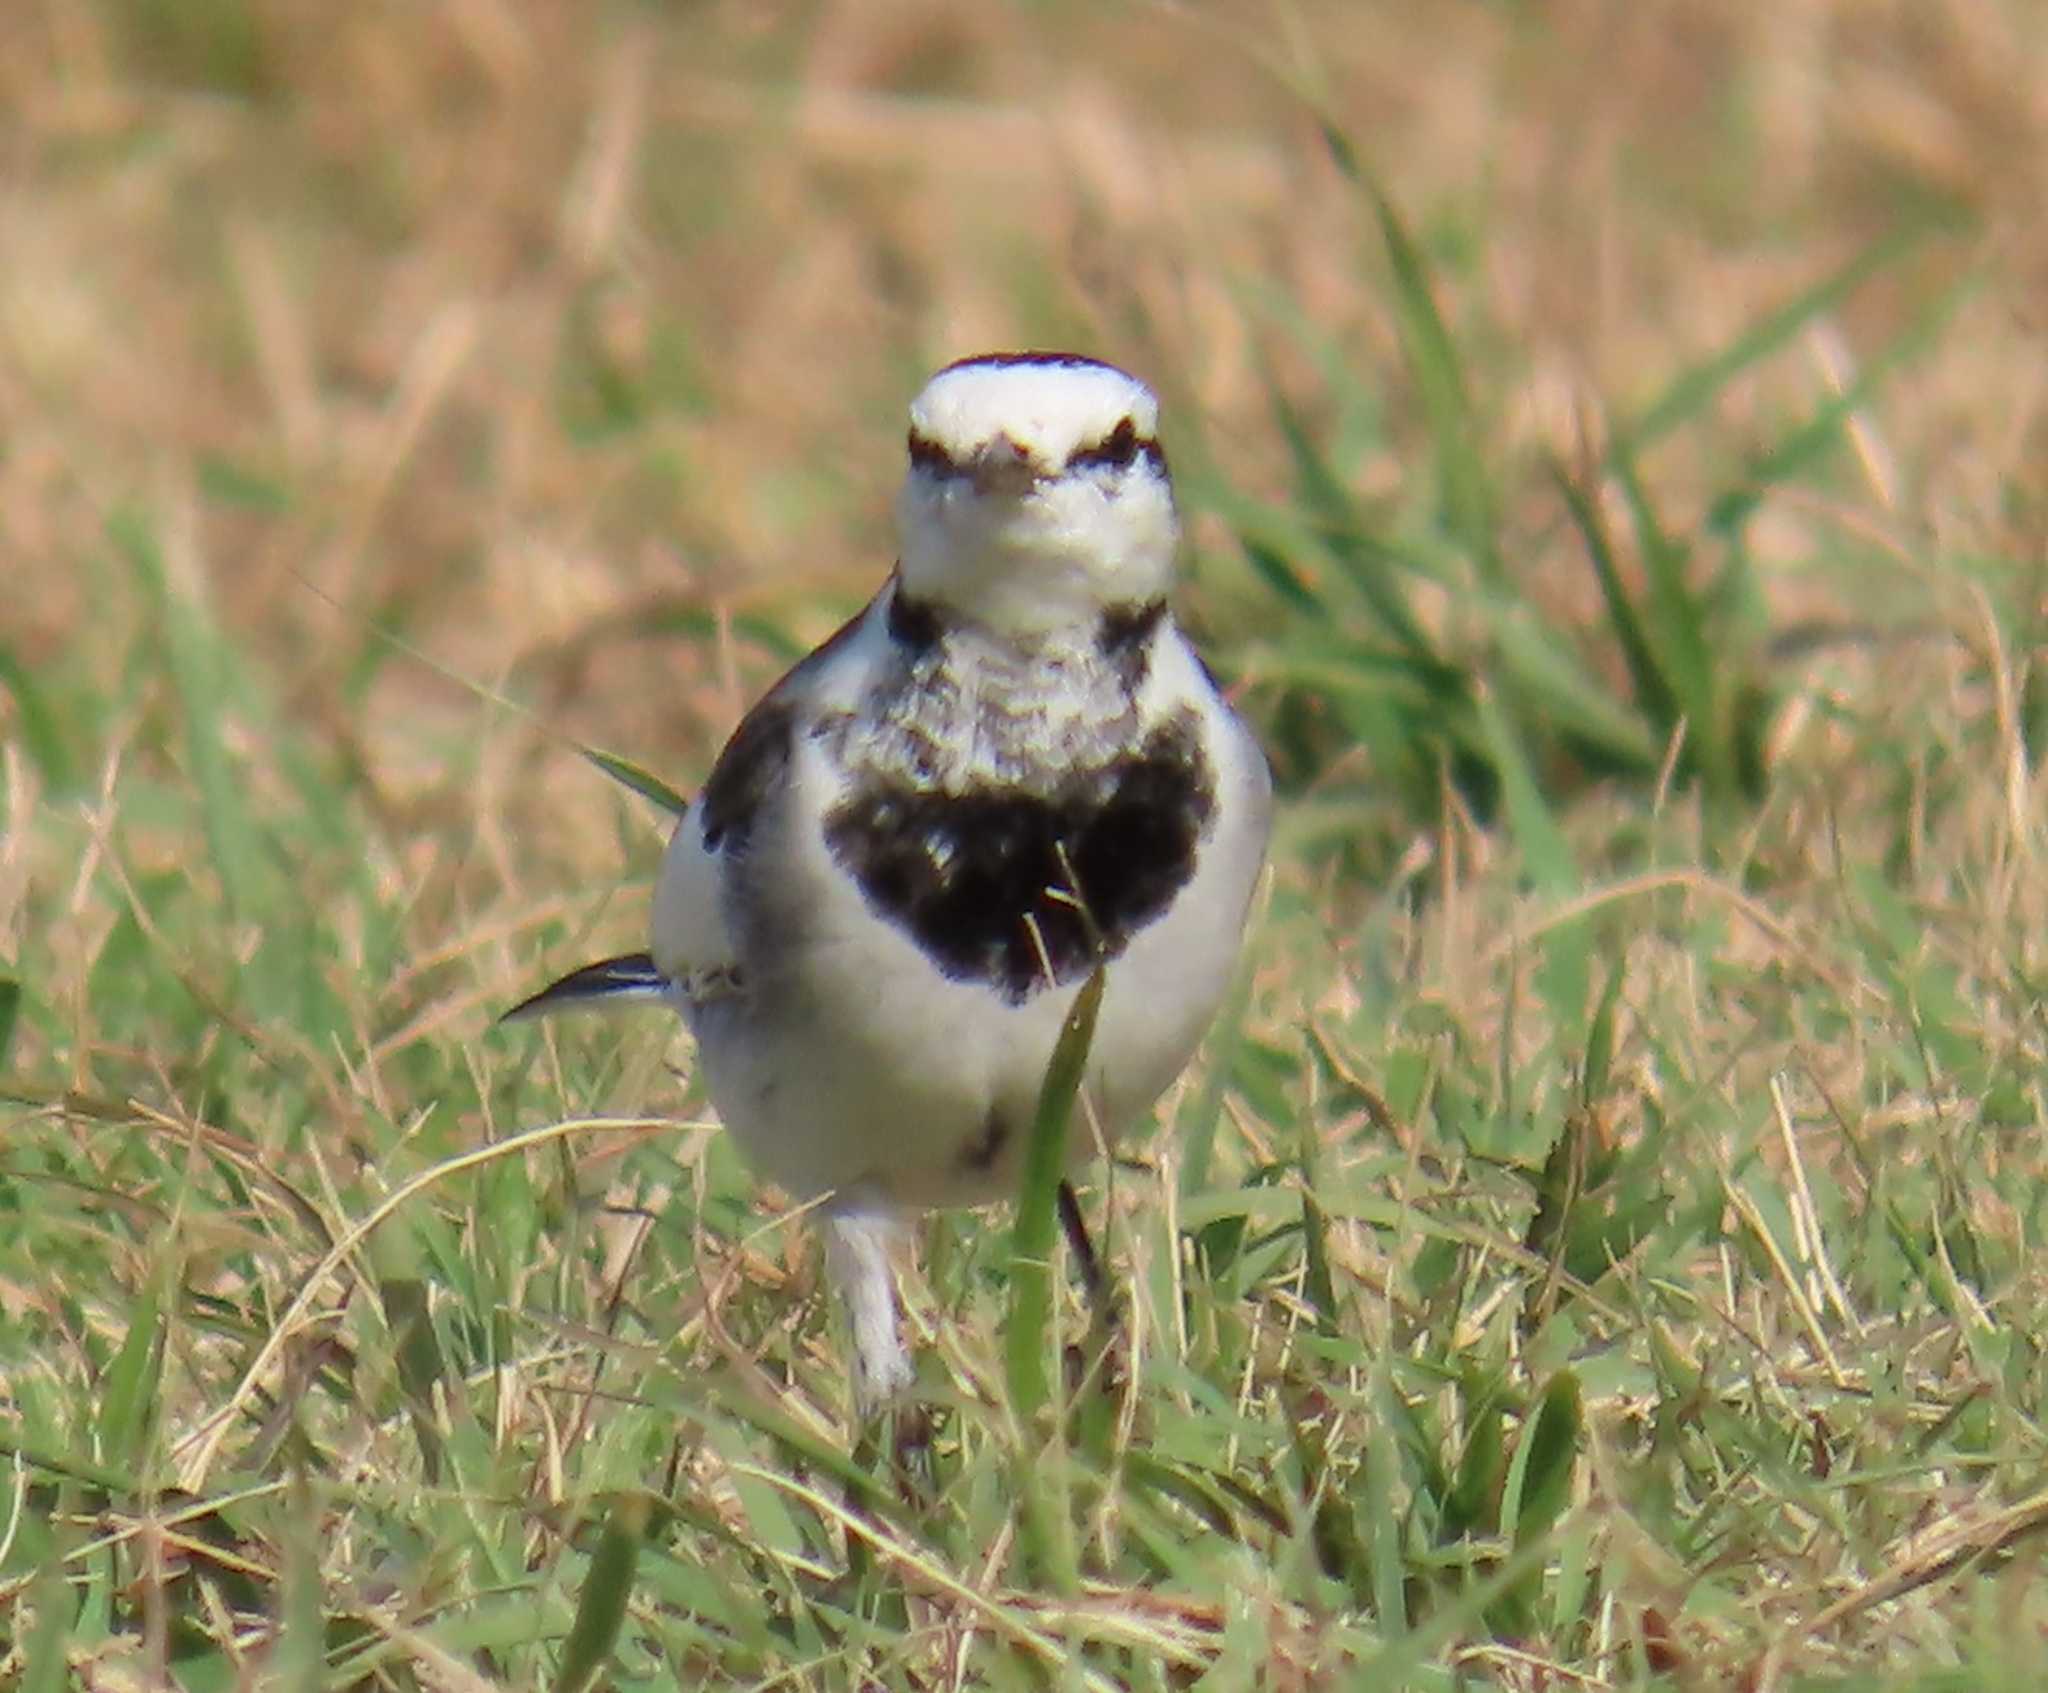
x=1118, y=449
x=927, y=454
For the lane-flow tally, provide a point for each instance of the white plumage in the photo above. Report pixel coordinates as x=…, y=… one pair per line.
x=869, y=917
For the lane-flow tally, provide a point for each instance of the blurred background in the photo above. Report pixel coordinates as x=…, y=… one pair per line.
x=564, y=348
x=1611, y=439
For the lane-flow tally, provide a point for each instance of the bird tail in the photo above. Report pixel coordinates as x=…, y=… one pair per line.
x=609, y=982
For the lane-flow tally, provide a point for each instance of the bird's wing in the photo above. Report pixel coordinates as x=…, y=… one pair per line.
x=609, y=982
x=742, y=803
x=694, y=955
x=692, y=937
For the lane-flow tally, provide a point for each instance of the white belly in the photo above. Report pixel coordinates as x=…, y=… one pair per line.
x=853, y=1060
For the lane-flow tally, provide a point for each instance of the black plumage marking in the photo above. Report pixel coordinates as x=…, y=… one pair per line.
x=927, y=454
x=1116, y=449
x=979, y=1155
x=749, y=769
x=1003, y=361
x=1122, y=447
x=1125, y=638
x=1023, y=890
x=934, y=459
x=631, y=975
x=915, y=625
x=1119, y=449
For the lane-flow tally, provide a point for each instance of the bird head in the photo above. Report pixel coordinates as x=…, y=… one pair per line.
x=1037, y=495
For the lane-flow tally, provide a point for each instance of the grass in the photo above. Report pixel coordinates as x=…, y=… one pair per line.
x=1600, y=1246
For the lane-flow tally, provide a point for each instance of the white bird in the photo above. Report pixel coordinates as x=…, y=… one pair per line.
x=1010, y=767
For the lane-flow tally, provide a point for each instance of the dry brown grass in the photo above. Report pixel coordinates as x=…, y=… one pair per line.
x=381, y=268
x=560, y=350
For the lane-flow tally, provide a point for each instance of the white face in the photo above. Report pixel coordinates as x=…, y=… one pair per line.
x=1037, y=493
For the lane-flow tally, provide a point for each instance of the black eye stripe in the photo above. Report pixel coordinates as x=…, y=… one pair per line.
x=1117, y=448
x=927, y=454
x=1121, y=447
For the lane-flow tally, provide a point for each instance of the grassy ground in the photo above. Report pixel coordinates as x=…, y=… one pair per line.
x=1602, y=1249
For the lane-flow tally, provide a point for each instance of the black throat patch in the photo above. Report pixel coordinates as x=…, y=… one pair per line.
x=1024, y=889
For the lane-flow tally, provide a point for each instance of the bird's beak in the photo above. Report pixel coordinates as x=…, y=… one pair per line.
x=1003, y=467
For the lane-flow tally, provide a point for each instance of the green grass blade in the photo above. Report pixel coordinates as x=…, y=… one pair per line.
x=1464, y=488
x=1600, y=1037
x=642, y=782
x=45, y=1666
x=1342, y=530
x=1544, y=1460
x=128, y=1392
x=10, y=1013
x=198, y=671
x=1031, y=1243
x=297, y=1660
x=607, y=1587
x=1677, y=614
x=1317, y=1282
x=1562, y=697
x=1539, y=1487
x=1804, y=446
x=1198, y=1124
x=1321, y=489
x=1694, y=389
x=1470, y=1503
x=1273, y=567
x=1370, y=565
x=1545, y=854
x=40, y=724
x=1382, y=1479
x=803, y=1448
x=1334, y=1524
x=88, y=1471
x=421, y=1367
x=1653, y=689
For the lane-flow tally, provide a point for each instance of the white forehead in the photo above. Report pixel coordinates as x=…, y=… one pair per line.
x=1048, y=406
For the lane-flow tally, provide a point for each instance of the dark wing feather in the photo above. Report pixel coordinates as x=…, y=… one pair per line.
x=611, y=981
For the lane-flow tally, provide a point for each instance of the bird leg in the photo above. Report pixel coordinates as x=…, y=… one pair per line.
x=1109, y=1344
x=1082, y=1247
x=858, y=1234
x=857, y=1239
